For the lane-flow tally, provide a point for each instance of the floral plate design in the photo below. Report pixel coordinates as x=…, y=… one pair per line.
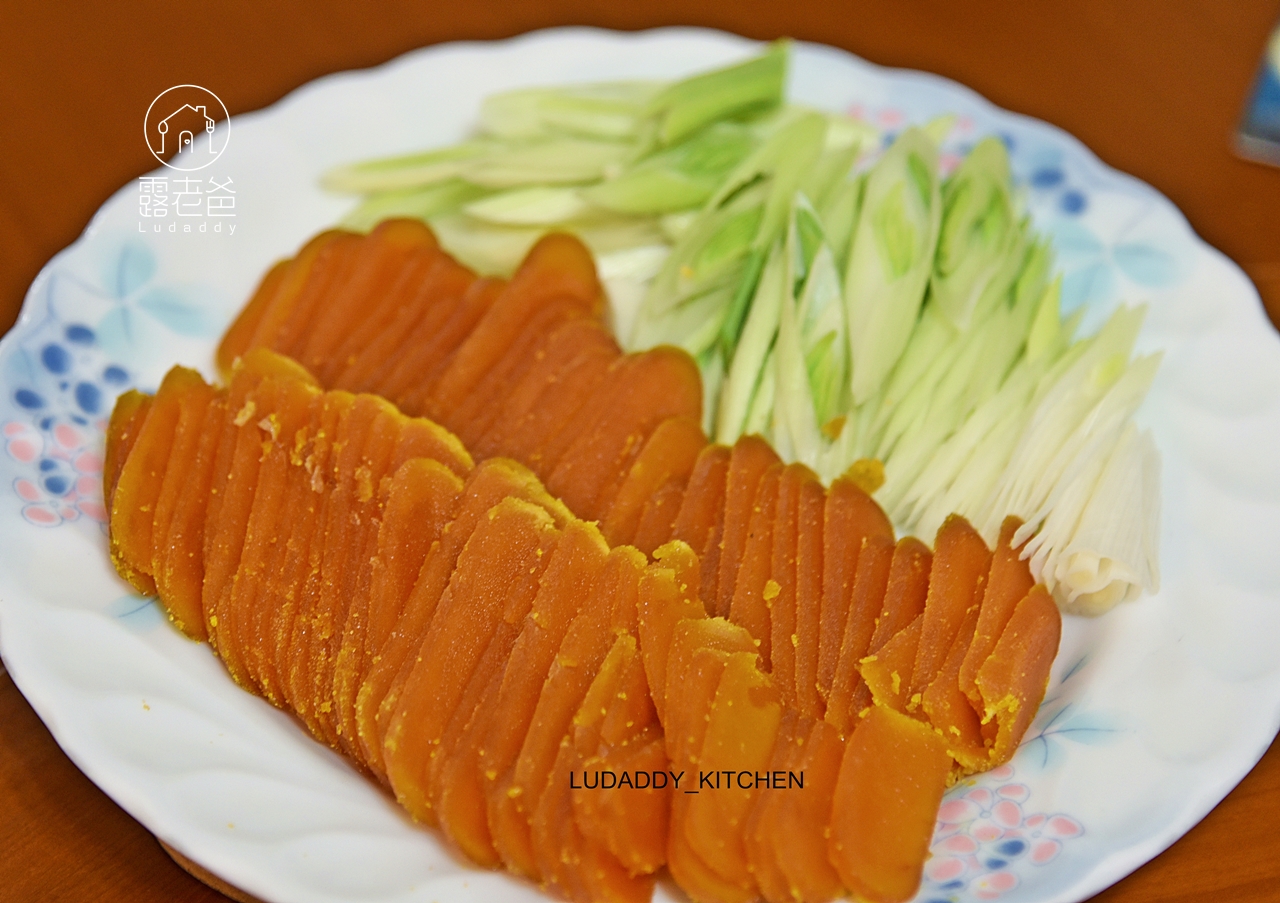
x=1154, y=712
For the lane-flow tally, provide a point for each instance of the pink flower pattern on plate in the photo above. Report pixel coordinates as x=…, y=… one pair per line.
x=66, y=482
x=985, y=835
x=51, y=436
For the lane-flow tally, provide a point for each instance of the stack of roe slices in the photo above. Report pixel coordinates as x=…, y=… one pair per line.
x=494, y=561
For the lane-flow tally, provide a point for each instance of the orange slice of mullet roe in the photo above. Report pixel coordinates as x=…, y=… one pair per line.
x=137, y=490
x=1010, y=580
x=886, y=801
x=501, y=561
x=957, y=578
x=851, y=519
x=1014, y=677
x=520, y=752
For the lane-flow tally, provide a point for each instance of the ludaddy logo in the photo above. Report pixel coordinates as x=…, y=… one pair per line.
x=187, y=127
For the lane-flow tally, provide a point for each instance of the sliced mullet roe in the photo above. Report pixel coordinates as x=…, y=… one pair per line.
x=661, y=382
x=520, y=752
x=413, y=254
x=490, y=483
x=696, y=670
x=809, y=580
x=581, y=869
x=1014, y=677
x=865, y=604
x=754, y=590
x=137, y=491
x=250, y=600
x=387, y=448
x=671, y=451
x=665, y=600
x=464, y=825
x=237, y=527
x=1009, y=582
x=546, y=375
x=259, y=323
x=243, y=436
x=760, y=834
x=454, y=785
x=557, y=267
x=594, y=390
x=376, y=262
x=475, y=411
x=431, y=346
x=420, y=503
x=658, y=517
x=565, y=584
x=615, y=709
x=185, y=564
x=948, y=709
x=803, y=814
x=418, y=265
x=126, y=422
x=554, y=837
x=700, y=521
x=961, y=562
x=885, y=805
x=560, y=264
x=235, y=341
x=235, y=474
x=887, y=672
x=178, y=542
x=284, y=572
x=684, y=564
x=304, y=565
x=906, y=592
x=317, y=281
x=850, y=517
x=904, y=600
x=563, y=409
x=700, y=649
x=417, y=439
x=500, y=560
x=687, y=704
x=370, y=435
x=750, y=458
x=630, y=820
x=419, y=303
x=739, y=740
x=458, y=630
x=423, y=438
x=779, y=591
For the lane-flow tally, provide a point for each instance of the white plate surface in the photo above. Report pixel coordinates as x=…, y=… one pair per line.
x=1154, y=711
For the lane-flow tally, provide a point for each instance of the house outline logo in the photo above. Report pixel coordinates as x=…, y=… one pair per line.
x=175, y=122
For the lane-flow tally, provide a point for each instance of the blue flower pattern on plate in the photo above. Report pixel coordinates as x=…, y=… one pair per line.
x=128, y=309
x=62, y=380
x=62, y=388
x=986, y=836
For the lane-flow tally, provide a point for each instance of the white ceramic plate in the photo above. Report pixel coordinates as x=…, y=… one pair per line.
x=1154, y=712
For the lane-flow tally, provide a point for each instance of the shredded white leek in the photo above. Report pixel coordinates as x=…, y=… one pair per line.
x=841, y=299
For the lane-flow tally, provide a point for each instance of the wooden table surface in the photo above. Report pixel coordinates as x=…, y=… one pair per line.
x=1154, y=88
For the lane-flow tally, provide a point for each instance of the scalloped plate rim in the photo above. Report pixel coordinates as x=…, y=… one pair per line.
x=44, y=697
